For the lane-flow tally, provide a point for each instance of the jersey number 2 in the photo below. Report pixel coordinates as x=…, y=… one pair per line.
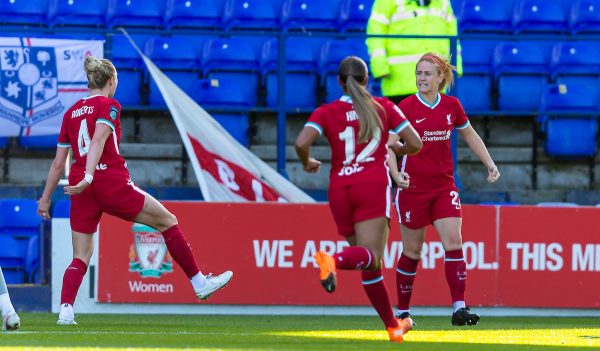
x=347, y=136
x=83, y=139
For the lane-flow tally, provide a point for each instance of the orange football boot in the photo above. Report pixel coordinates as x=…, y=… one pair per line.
x=326, y=265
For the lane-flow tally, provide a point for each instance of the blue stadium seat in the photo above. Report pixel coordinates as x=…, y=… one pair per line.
x=236, y=124
x=535, y=16
x=218, y=92
x=354, y=15
x=520, y=71
x=26, y=12
x=569, y=136
x=61, y=209
x=39, y=141
x=301, y=73
x=331, y=54
x=575, y=58
x=250, y=14
x=474, y=87
x=233, y=59
x=19, y=218
x=483, y=16
x=135, y=13
x=177, y=59
x=11, y=260
x=193, y=14
x=584, y=17
x=85, y=13
x=307, y=15
x=32, y=261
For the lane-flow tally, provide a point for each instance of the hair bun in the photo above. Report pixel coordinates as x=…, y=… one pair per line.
x=91, y=63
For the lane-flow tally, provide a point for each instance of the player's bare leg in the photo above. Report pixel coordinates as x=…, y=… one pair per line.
x=449, y=230
x=155, y=215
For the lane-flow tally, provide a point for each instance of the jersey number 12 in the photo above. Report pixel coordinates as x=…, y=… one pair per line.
x=347, y=136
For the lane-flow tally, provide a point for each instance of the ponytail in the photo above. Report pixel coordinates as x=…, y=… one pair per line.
x=353, y=75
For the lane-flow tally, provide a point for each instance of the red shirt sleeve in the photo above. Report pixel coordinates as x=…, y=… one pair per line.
x=461, y=121
x=109, y=113
x=63, y=136
x=395, y=117
x=317, y=120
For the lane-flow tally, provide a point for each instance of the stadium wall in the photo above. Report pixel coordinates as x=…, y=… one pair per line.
x=533, y=258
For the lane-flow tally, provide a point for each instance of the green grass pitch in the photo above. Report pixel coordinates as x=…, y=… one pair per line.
x=199, y=332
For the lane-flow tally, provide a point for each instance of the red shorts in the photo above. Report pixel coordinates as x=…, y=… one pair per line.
x=117, y=197
x=418, y=210
x=358, y=202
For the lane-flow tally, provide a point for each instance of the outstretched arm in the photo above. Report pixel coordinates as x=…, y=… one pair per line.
x=476, y=144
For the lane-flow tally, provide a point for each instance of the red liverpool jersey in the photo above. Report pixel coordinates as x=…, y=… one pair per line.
x=432, y=168
x=352, y=162
x=77, y=130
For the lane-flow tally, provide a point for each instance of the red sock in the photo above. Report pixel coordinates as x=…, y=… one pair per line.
x=180, y=250
x=405, y=276
x=353, y=258
x=377, y=292
x=72, y=280
x=456, y=274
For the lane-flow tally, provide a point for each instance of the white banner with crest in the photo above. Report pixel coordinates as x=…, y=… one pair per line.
x=40, y=79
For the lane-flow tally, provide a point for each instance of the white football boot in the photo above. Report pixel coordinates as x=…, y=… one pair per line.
x=66, y=316
x=213, y=283
x=11, y=321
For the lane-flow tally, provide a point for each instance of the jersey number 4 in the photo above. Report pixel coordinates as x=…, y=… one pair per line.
x=83, y=139
x=347, y=136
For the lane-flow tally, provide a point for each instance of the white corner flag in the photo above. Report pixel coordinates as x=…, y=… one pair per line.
x=226, y=170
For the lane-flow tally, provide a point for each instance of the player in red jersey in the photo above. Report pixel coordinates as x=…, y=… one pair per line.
x=99, y=182
x=432, y=197
x=357, y=128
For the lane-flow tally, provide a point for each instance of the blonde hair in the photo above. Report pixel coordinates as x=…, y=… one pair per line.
x=353, y=74
x=444, y=69
x=98, y=71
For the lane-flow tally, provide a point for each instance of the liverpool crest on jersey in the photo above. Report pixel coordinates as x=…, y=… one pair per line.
x=148, y=255
x=28, y=84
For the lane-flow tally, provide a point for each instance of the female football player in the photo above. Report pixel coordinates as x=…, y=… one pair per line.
x=357, y=127
x=99, y=182
x=432, y=197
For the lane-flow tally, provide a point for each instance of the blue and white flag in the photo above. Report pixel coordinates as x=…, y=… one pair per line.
x=40, y=79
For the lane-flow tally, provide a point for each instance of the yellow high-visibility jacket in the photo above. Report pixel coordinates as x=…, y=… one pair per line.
x=395, y=59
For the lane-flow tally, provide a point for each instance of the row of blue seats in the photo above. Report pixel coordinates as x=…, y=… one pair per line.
x=311, y=63
x=517, y=71
x=530, y=16
x=20, y=236
x=327, y=15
